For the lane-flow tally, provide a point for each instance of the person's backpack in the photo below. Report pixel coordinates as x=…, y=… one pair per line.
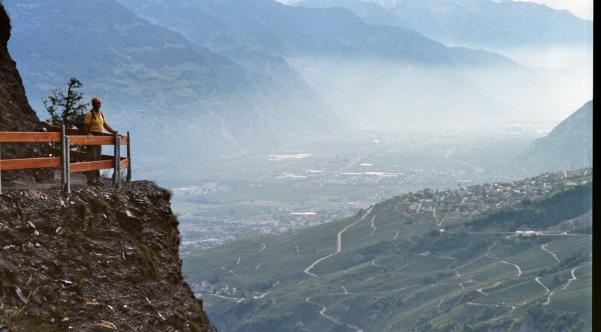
x=78, y=121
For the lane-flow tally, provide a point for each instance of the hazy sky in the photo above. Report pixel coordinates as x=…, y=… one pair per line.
x=582, y=8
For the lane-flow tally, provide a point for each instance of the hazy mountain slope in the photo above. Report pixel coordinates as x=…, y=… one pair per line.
x=478, y=23
x=154, y=81
x=113, y=51
x=567, y=146
x=370, y=12
x=362, y=69
x=390, y=268
x=493, y=24
x=296, y=31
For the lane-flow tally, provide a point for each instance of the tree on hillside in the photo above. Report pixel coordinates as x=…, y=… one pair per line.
x=64, y=107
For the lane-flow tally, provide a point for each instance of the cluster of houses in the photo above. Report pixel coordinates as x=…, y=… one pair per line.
x=485, y=197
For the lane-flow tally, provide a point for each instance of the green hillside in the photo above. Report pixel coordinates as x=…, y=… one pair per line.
x=418, y=262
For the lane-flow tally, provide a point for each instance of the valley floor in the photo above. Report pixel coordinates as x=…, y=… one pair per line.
x=418, y=260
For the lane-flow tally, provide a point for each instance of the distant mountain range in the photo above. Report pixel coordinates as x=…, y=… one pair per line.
x=493, y=257
x=368, y=11
x=296, y=32
x=488, y=24
x=409, y=72
x=411, y=78
x=567, y=146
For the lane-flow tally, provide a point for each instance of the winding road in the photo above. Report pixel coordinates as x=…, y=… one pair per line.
x=338, y=244
x=322, y=312
x=261, y=296
x=345, y=291
x=373, y=226
x=550, y=294
x=537, y=279
x=514, y=265
x=374, y=264
x=571, y=279
x=438, y=222
x=504, y=261
x=544, y=247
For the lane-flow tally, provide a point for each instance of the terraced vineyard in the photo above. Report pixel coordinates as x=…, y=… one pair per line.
x=426, y=261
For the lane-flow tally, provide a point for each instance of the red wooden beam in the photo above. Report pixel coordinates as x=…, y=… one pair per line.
x=30, y=163
x=29, y=137
x=42, y=137
x=94, y=140
x=91, y=166
x=77, y=132
x=90, y=140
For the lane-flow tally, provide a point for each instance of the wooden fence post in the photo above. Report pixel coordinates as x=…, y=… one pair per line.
x=68, y=165
x=128, y=179
x=63, y=159
x=117, y=166
x=0, y=169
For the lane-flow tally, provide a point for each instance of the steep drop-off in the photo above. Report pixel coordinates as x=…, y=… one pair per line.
x=97, y=260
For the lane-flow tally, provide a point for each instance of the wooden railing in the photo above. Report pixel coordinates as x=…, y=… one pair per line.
x=69, y=161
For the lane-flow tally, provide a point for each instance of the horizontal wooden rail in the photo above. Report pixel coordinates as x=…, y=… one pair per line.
x=30, y=163
x=35, y=137
x=55, y=162
x=70, y=161
x=86, y=166
x=29, y=137
x=90, y=140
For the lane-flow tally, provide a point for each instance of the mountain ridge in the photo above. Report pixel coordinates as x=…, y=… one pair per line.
x=493, y=25
x=297, y=31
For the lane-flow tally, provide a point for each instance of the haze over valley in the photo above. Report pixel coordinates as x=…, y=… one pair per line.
x=349, y=164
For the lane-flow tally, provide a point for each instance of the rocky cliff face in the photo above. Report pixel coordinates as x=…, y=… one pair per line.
x=97, y=260
x=15, y=112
